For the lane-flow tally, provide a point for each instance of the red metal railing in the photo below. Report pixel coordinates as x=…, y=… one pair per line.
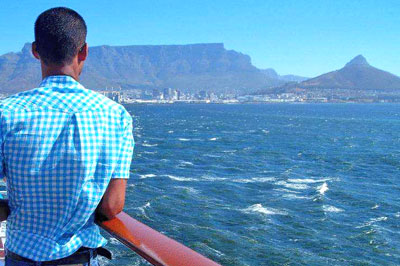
x=153, y=246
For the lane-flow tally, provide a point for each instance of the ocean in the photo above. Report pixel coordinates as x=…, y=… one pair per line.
x=269, y=184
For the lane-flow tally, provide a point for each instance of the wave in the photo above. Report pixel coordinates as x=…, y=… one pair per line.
x=188, y=189
x=286, y=190
x=258, y=208
x=147, y=176
x=229, y=151
x=149, y=152
x=181, y=179
x=211, y=155
x=323, y=188
x=372, y=221
x=294, y=196
x=255, y=180
x=213, y=250
x=329, y=208
x=213, y=178
x=143, y=208
x=185, y=163
x=149, y=145
x=114, y=241
x=307, y=180
x=292, y=185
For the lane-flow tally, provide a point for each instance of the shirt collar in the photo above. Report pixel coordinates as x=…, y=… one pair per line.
x=61, y=82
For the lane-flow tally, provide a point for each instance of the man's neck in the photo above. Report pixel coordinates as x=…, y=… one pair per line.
x=67, y=70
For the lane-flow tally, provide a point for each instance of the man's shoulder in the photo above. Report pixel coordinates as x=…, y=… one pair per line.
x=16, y=101
x=106, y=103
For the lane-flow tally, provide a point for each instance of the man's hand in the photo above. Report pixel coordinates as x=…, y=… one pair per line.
x=113, y=200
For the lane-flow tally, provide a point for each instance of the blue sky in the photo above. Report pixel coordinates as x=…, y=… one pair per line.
x=303, y=37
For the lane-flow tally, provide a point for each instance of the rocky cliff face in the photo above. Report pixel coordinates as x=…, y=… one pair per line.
x=186, y=67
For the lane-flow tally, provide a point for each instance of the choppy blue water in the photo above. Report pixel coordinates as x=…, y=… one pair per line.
x=269, y=184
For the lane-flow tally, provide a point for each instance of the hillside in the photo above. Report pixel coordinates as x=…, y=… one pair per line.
x=357, y=74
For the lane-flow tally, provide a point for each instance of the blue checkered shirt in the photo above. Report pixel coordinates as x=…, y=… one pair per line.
x=60, y=146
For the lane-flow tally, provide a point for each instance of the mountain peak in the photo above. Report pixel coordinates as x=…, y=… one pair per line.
x=27, y=47
x=359, y=60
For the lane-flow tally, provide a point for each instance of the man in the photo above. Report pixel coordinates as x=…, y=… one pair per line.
x=65, y=151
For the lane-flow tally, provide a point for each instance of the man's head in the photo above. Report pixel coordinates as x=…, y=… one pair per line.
x=60, y=38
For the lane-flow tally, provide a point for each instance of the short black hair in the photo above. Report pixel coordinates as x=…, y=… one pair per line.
x=60, y=33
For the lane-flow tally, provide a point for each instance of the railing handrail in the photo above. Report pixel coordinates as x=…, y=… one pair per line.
x=156, y=248
x=153, y=246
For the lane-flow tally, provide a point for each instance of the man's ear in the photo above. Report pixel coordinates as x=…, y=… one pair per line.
x=34, y=51
x=83, y=52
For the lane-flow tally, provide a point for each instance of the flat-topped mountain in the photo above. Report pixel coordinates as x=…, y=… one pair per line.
x=356, y=74
x=186, y=67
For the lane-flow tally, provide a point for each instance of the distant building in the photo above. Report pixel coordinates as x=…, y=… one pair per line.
x=157, y=94
x=113, y=95
x=203, y=95
x=167, y=93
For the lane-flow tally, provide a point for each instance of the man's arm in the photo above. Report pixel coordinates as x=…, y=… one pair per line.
x=114, y=198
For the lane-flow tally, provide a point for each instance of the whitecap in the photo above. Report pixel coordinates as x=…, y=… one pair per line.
x=307, y=180
x=171, y=131
x=211, y=155
x=183, y=139
x=292, y=185
x=258, y=208
x=255, y=180
x=229, y=151
x=329, y=208
x=212, y=178
x=143, y=209
x=323, y=188
x=149, y=145
x=213, y=139
x=149, y=152
x=188, y=189
x=186, y=163
x=372, y=221
x=181, y=179
x=286, y=190
x=294, y=196
x=375, y=207
x=265, y=131
x=114, y=241
x=147, y=176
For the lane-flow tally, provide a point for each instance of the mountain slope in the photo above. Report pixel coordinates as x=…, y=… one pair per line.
x=272, y=74
x=186, y=67
x=357, y=74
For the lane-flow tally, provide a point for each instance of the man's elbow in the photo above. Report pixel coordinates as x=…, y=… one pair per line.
x=111, y=209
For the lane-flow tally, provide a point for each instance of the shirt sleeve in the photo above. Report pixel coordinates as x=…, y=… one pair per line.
x=2, y=168
x=126, y=151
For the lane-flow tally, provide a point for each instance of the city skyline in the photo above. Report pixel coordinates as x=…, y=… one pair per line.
x=304, y=38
